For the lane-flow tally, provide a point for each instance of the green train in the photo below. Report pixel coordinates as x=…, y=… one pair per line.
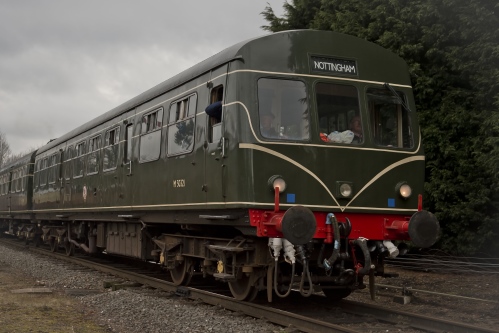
x=291, y=161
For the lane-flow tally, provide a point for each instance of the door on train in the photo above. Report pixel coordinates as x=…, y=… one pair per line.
x=126, y=170
x=216, y=143
x=67, y=164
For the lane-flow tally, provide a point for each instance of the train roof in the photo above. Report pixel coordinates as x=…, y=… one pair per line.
x=18, y=162
x=257, y=53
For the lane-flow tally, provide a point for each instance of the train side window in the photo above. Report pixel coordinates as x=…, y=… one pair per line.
x=338, y=112
x=52, y=171
x=215, y=122
x=79, y=160
x=67, y=163
x=93, y=156
x=283, y=109
x=128, y=144
x=150, y=136
x=181, y=126
x=15, y=181
x=43, y=172
x=390, y=121
x=19, y=179
x=25, y=177
x=36, y=176
x=4, y=185
x=111, y=150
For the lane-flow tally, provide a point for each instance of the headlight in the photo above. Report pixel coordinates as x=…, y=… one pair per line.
x=404, y=190
x=277, y=181
x=345, y=190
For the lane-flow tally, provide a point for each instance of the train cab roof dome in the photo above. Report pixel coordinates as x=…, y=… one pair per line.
x=258, y=53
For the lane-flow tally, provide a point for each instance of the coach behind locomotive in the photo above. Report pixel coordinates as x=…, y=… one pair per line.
x=157, y=179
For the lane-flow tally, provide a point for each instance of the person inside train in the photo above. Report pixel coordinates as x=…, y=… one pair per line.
x=356, y=128
x=266, y=127
x=215, y=110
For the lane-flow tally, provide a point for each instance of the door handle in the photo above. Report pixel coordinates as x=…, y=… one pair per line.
x=130, y=168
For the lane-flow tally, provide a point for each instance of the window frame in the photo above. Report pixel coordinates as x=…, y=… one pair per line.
x=79, y=159
x=346, y=115
x=150, y=131
x=93, y=150
x=52, y=169
x=309, y=105
x=187, y=115
x=402, y=113
x=113, y=146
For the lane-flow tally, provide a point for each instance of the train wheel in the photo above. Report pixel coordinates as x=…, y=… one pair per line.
x=53, y=245
x=336, y=294
x=70, y=248
x=182, y=273
x=243, y=289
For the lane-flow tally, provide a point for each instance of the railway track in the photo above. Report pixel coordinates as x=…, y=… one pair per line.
x=439, y=262
x=318, y=314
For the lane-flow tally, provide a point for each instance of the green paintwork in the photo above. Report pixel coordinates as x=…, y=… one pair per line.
x=203, y=178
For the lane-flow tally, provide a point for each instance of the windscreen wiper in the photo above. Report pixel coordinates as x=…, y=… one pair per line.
x=389, y=87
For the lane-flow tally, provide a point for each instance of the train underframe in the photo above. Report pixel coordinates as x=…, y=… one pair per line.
x=335, y=265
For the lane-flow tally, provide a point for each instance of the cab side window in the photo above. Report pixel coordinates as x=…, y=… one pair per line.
x=390, y=120
x=215, y=118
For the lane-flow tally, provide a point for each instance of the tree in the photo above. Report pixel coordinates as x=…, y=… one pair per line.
x=4, y=149
x=452, y=49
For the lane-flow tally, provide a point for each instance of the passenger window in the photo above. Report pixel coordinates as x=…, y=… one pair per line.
x=283, y=109
x=37, y=174
x=128, y=138
x=181, y=126
x=111, y=150
x=16, y=182
x=43, y=175
x=67, y=163
x=150, y=138
x=93, y=155
x=79, y=160
x=390, y=122
x=25, y=177
x=52, y=171
x=338, y=112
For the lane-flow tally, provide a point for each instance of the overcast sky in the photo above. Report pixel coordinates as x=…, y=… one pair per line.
x=63, y=63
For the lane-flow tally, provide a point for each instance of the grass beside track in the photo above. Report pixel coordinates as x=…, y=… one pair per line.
x=40, y=313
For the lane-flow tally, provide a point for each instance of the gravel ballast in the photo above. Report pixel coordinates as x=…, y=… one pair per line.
x=138, y=310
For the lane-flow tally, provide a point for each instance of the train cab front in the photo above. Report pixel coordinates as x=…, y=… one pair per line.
x=332, y=252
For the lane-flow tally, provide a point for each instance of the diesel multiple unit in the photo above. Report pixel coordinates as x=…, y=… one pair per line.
x=289, y=161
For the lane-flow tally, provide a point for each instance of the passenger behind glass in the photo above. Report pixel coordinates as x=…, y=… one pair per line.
x=266, y=127
x=356, y=128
